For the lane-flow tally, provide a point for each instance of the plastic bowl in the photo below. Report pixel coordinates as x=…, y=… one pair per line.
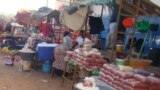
x=143, y=26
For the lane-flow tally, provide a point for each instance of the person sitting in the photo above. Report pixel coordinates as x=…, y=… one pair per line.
x=67, y=40
x=80, y=39
x=59, y=54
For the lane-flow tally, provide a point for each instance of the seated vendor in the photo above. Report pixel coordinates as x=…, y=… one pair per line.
x=80, y=39
x=67, y=40
x=60, y=52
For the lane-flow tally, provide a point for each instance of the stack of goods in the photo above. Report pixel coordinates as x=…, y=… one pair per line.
x=127, y=79
x=88, y=59
x=88, y=84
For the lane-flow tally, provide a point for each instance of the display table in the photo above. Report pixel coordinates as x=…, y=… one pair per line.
x=76, y=73
x=45, y=51
x=82, y=65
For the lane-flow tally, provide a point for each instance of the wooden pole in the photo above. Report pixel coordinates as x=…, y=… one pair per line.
x=86, y=22
x=98, y=44
x=116, y=32
x=132, y=35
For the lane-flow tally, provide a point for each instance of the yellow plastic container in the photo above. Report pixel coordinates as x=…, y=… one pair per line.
x=119, y=48
x=26, y=65
x=140, y=63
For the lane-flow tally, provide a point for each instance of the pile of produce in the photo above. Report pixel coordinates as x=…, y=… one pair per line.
x=4, y=34
x=5, y=50
x=89, y=60
x=128, y=79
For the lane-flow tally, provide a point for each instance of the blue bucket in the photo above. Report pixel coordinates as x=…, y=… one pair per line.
x=46, y=67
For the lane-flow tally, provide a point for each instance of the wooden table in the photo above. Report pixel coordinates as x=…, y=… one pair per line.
x=77, y=70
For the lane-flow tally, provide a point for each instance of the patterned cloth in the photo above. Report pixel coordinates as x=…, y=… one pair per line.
x=59, y=55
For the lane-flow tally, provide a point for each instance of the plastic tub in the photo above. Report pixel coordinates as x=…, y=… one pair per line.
x=140, y=63
x=45, y=51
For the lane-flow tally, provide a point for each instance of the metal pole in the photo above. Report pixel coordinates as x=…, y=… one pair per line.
x=132, y=40
x=86, y=21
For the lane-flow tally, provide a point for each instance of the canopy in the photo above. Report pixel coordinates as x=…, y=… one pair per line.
x=147, y=7
x=74, y=6
x=41, y=13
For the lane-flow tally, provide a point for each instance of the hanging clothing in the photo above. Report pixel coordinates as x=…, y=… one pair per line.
x=46, y=28
x=75, y=21
x=96, y=25
x=68, y=41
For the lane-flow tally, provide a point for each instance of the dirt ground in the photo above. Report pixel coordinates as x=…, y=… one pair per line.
x=12, y=78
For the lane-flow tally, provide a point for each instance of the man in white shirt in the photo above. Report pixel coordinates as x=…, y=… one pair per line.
x=81, y=39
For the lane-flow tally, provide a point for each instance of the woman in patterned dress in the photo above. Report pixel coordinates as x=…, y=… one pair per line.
x=60, y=52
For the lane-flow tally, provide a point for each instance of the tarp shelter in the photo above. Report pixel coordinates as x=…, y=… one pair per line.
x=75, y=15
x=41, y=13
x=147, y=7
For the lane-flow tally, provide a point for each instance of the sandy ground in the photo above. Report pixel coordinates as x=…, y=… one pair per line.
x=12, y=78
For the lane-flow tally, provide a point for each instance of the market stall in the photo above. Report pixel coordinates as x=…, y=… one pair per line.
x=121, y=75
